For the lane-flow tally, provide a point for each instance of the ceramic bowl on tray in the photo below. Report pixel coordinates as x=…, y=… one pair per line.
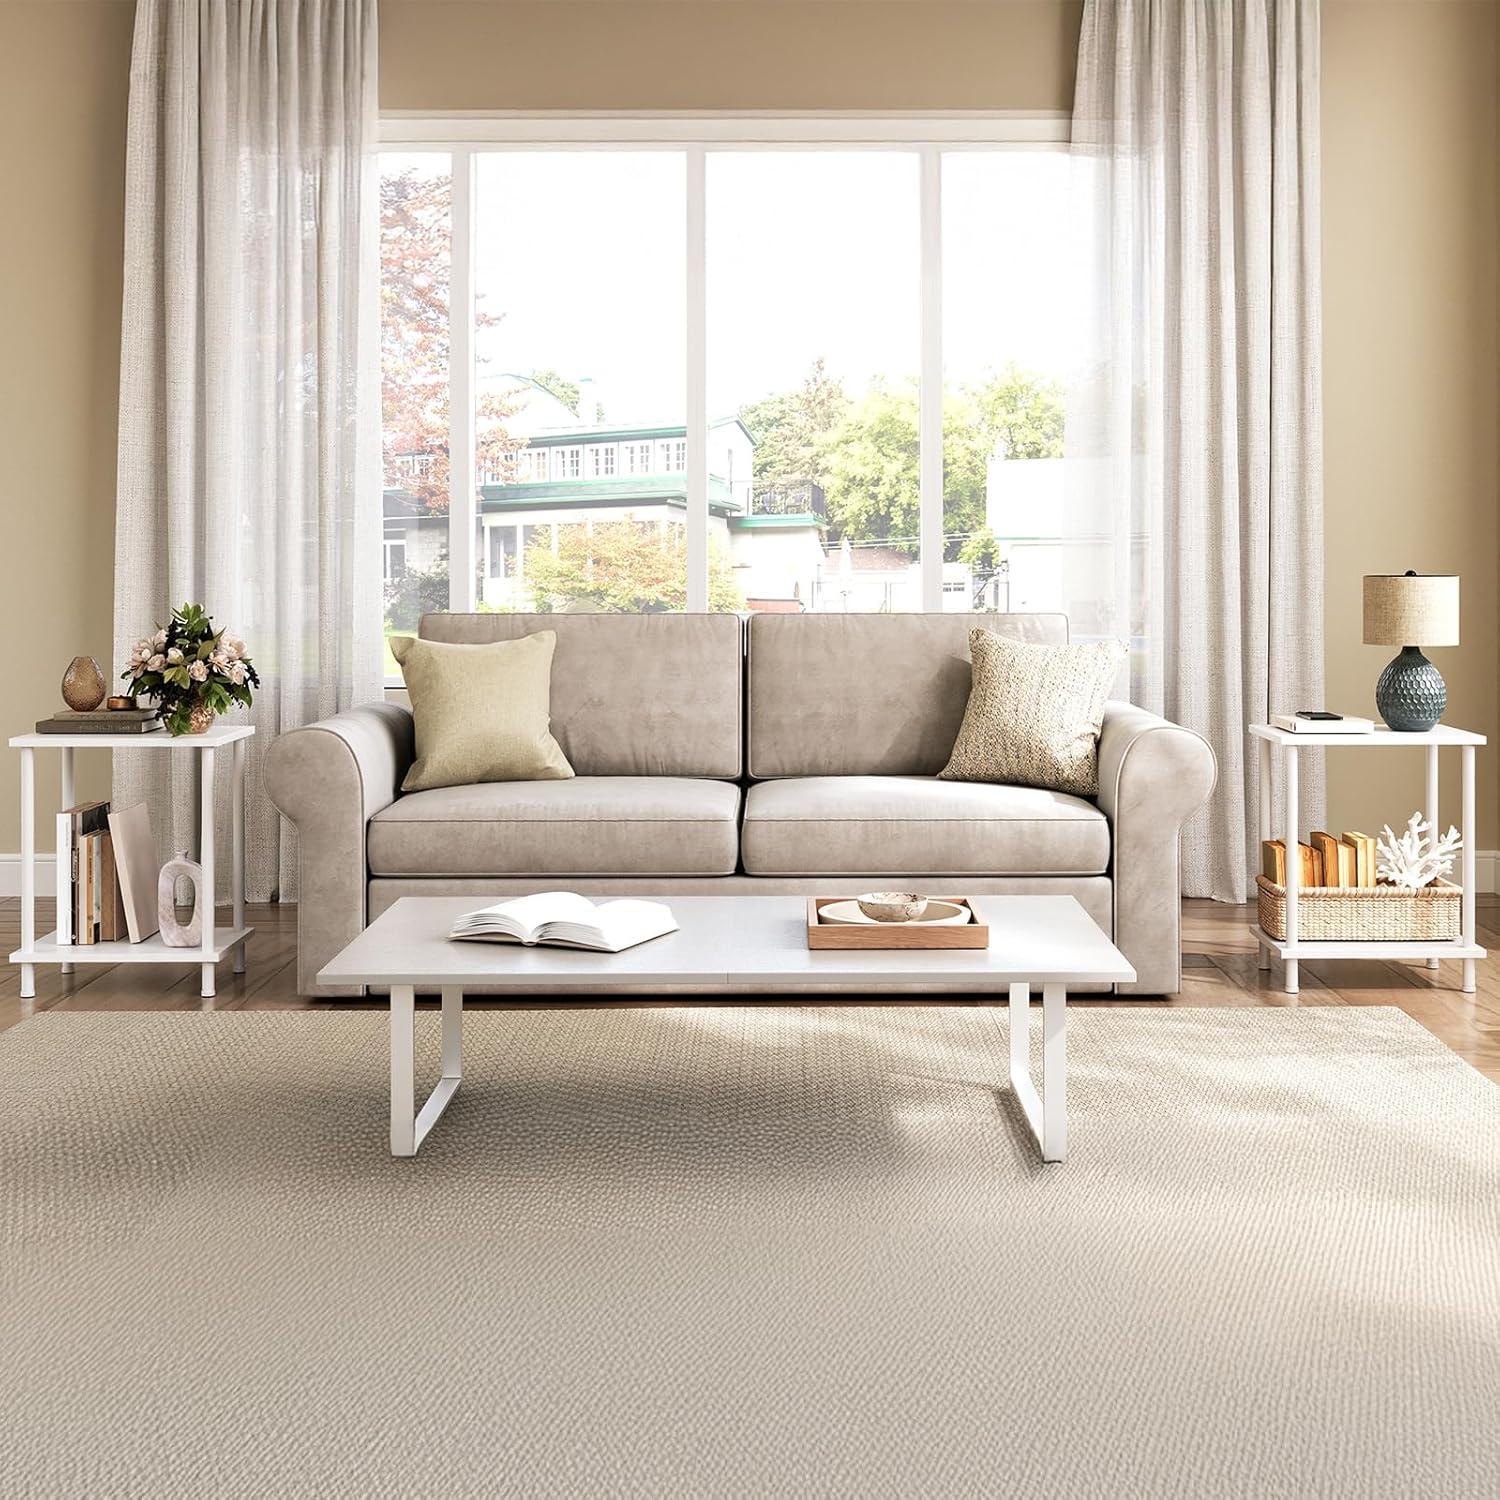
x=892, y=906
x=935, y=914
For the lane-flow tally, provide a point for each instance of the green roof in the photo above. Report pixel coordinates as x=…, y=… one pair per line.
x=795, y=518
x=570, y=437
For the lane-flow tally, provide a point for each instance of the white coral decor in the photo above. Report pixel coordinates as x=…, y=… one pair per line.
x=1415, y=859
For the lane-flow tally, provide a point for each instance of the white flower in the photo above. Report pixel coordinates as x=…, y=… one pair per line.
x=156, y=663
x=159, y=639
x=136, y=668
x=219, y=661
x=234, y=646
x=237, y=672
x=175, y=656
x=198, y=671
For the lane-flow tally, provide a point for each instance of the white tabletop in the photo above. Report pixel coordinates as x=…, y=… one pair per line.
x=218, y=734
x=1380, y=738
x=729, y=940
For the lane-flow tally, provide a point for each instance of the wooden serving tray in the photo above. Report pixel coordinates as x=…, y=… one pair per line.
x=971, y=934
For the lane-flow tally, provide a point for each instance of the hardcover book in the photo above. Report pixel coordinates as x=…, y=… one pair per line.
x=72, y=824
x=137, y=869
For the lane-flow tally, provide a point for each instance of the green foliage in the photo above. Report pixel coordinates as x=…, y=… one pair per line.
x=791, y=429
x=414, y=593
x=865, y=451
x=981, y=550
x=186, y=663
x=566, y=391
x=622, y=567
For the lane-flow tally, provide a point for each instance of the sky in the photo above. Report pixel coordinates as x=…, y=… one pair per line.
x=809, y=253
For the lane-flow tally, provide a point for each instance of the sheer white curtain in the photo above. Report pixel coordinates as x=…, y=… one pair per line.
x=1194, y=433
x=249, y=451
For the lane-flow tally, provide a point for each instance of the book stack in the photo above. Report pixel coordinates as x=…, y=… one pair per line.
x=1344, y=863
x=106, y=875
x=100, y=721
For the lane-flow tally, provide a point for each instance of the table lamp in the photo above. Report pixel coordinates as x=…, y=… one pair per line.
x=1400, y=609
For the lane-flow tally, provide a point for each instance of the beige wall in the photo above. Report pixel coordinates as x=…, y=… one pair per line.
x=1411, y=181
x=1412, y=177
x=64, y=76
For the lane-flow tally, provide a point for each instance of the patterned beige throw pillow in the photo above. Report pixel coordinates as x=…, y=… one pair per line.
x=1034, y=713
x=483, y=713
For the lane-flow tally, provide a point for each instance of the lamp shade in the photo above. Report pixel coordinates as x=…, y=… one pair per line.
x=1411, y=609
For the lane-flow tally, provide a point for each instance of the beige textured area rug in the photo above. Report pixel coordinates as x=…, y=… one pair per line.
x=762, y=1250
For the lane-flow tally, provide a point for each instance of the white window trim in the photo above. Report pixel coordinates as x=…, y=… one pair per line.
x=464, y=135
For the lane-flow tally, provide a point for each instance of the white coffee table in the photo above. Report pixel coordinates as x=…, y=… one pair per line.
x=731, y=944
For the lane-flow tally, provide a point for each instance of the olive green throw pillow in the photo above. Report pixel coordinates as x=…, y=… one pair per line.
x=483, y=713
x=1035, y=713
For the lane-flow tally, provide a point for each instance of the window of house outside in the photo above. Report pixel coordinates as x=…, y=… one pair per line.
x=827, y=474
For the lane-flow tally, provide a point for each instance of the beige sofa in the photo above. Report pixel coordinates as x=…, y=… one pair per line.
x=792, y=754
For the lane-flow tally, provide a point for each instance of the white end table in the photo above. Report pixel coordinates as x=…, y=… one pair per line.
x=1274, y=741
x=216, y=944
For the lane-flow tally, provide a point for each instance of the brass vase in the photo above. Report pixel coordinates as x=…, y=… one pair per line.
x=200, y=718
x=83, y=684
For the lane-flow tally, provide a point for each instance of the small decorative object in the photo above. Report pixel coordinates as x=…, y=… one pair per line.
x=193, y=671
x=83, y=684
x=119, y=705
x=173, y=933
x=1411, y=610
x=1418, y=858
x=946, y=922
x=893, y=906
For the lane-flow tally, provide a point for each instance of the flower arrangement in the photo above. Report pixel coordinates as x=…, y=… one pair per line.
x=192, y=671
x=1418, y=857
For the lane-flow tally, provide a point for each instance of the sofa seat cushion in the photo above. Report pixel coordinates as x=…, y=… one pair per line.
x=591, y=825
x=917, y=825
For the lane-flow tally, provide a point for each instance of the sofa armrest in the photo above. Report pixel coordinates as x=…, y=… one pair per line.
x=1153, y=775
x=330, y=779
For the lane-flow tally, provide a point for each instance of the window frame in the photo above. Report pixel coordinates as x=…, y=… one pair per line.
x=465, y=136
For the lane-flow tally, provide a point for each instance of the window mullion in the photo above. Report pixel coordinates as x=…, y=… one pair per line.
x=462, y=463
x=930, y=422
x=697, y=378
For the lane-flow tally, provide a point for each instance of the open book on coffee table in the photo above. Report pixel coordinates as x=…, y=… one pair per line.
x=563, y=919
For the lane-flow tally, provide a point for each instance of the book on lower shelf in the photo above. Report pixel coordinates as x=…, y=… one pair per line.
x=564, y=919
x=1324, y=862
x=74, y=826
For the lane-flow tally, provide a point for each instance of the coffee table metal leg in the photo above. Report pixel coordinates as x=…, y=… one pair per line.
x=409, y=1126
x=1054, y=1072
x=1046, y=1114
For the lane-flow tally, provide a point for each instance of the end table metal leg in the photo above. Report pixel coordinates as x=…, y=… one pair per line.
x=69, y=799
x=1262, y=955
x=1054, y=1072
x=206, y=989
x=1290, y=987
x=403, y=1071
x=1468, y=976
x=28, y=981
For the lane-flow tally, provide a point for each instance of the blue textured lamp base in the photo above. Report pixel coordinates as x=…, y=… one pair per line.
x=1411, y=694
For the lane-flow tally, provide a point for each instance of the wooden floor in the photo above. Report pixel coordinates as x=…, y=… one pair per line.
x=1219, y=968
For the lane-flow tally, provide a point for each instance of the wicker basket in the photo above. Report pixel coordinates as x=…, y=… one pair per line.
x=1362, y=914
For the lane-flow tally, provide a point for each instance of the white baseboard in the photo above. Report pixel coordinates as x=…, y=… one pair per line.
x=1486, y=873
x=10, y=875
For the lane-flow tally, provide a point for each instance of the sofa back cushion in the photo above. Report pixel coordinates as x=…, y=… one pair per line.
x=632, y=695
x=866, y=695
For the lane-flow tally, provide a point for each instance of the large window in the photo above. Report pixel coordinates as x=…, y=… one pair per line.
x=645, y=365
